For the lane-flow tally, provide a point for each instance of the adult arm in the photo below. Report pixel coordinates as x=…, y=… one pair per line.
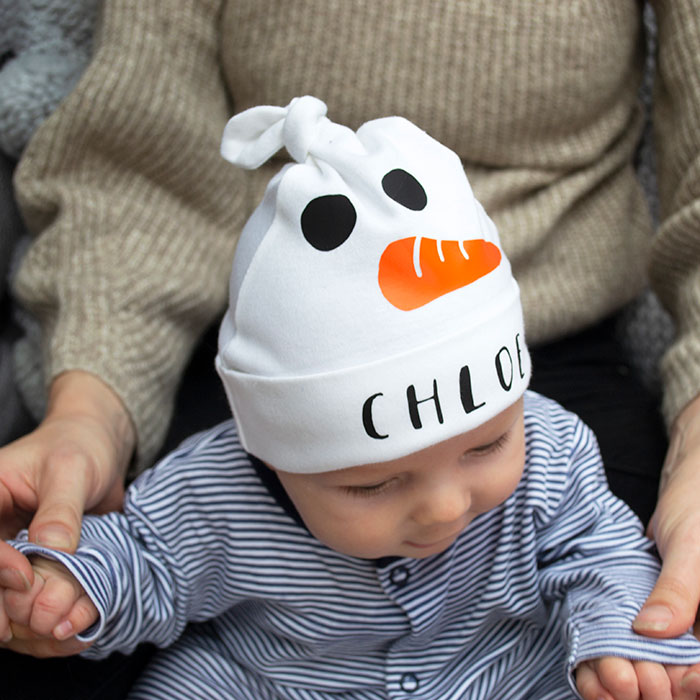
x=64, y=467
x=675, y=526
x=593, y=559
x=675, y=275
x=135, y=216
x=133, y=209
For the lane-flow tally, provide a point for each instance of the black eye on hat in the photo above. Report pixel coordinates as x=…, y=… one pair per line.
x=403, y=188
x=328, y=221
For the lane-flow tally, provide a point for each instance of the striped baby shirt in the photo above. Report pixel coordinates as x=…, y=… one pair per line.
x=208, y=561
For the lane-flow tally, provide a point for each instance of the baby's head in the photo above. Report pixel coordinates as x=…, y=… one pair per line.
x=373, y=350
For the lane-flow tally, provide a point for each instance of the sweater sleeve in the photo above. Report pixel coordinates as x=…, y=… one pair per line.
x=134, y=211
x=595, y=559
x=675, y=255
x=167, y=559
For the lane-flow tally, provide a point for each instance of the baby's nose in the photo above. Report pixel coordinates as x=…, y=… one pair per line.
x=445, y=503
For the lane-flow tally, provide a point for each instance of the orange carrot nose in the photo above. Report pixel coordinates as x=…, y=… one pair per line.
x=414, y=271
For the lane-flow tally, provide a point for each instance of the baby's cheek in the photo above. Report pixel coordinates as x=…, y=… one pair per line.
x=500, y=486
x=365, y=538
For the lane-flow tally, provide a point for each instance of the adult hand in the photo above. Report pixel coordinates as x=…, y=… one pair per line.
x=74, y=461
x=675, y=526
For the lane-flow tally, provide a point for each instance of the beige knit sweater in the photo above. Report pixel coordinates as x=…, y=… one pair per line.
x=136, y=214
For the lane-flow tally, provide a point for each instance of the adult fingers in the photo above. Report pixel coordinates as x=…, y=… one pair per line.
x=690, y=681
x=113, y=499
x=672, y=605
x=16, y=572
x=5, y=629
x=11, y=522
x=62, y=495
x=679, y=689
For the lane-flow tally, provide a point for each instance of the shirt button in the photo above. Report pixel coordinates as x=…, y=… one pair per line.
x=399, y=576
x=409, y=682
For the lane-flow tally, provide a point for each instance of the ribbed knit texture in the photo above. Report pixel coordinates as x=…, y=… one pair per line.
x=139, y=214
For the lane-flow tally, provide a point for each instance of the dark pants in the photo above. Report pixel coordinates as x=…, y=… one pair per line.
x=587, y=375
x=584, y=373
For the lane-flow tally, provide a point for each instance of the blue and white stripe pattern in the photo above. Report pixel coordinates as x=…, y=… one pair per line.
x=553, y=576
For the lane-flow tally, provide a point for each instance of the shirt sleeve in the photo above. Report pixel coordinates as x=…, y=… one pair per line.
x=596, y=562
x=165, y=560
x=675, y=254
x=135, y=214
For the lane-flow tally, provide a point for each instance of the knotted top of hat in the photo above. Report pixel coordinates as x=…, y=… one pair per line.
x=372, y=312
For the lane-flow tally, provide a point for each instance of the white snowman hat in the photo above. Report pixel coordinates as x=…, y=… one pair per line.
x=372, y=312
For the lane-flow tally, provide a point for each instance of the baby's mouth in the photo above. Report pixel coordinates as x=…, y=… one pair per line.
x=448, y=539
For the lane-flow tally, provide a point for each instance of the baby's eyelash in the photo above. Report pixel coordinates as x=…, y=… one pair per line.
x=367, y=490
x=494, y=446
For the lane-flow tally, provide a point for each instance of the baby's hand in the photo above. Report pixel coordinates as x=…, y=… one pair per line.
x=43, y=620
x=613, y=678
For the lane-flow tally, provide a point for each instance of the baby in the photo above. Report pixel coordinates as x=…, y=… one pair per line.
x=391, y=513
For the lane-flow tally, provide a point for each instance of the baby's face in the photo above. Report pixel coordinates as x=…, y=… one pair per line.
x=415, y=506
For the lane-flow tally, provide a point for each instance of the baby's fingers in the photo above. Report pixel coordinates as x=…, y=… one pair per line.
x=83, y=614
x=654, y=681
x=609, y=678
x=25, y=641
x=18, y=604
x=53, y=604
x=588, y=684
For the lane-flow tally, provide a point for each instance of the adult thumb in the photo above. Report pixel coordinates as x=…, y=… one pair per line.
x=672, y=605
x=58, y=518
